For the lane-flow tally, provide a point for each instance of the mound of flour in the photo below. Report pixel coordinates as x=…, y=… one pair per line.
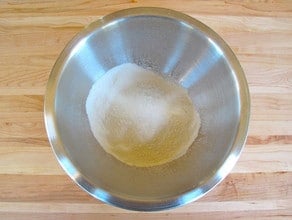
x=141, y=118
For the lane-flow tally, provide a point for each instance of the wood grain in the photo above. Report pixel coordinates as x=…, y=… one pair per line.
x=32, y=183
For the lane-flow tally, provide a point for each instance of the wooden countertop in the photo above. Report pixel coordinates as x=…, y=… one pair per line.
x=33, y=185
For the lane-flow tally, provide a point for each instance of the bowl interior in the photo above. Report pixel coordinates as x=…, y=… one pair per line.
x=188, y=54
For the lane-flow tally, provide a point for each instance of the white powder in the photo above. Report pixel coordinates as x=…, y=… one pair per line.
x=141, y=118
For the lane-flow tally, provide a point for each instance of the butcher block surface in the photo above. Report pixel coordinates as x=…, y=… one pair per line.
x=32, y=183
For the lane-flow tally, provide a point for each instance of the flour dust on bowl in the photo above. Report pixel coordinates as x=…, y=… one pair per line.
x=179, y=49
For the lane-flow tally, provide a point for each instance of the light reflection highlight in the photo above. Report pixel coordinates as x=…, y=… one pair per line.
x=69, y=167
x=204, y=64
x=227, y=166
x=217, y=48
x=190, y=196
x=116, y=43
x=177, y=53
x=88, y=62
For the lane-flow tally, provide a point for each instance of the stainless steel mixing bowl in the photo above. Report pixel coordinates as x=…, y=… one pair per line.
x=170, y=43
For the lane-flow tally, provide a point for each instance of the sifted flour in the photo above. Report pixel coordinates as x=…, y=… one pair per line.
x=141, y=118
